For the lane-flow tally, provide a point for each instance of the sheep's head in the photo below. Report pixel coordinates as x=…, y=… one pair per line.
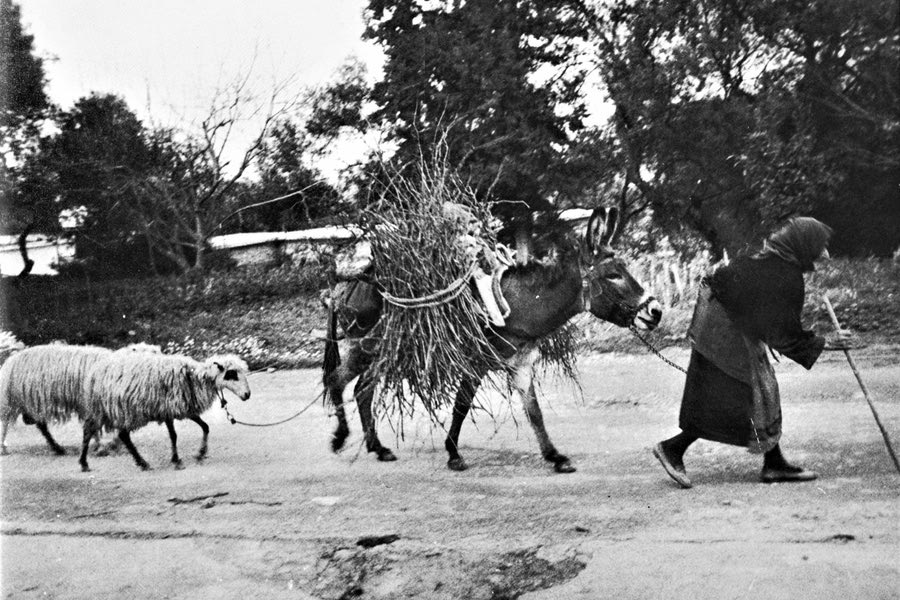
x=230, y=374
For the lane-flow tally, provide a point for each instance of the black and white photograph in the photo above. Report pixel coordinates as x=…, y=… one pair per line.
x=450, y=299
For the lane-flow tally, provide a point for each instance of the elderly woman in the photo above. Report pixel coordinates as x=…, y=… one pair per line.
x=745, y=308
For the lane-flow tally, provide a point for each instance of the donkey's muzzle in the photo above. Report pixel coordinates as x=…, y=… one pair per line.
x=649, y=314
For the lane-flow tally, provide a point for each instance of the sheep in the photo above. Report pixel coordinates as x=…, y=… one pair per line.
x=44, y=384
x=126, y=392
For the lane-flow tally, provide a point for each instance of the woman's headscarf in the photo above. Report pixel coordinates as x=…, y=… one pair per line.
x=799, y=241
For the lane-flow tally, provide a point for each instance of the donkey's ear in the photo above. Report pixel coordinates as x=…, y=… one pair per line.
x=595, y=228
x=611, y=226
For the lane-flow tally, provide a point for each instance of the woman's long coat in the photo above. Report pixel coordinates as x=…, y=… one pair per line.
x=731, y=395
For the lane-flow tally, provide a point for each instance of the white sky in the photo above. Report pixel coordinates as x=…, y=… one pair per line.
x=167, y=58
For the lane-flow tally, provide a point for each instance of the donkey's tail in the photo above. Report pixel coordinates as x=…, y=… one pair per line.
x=332, y=358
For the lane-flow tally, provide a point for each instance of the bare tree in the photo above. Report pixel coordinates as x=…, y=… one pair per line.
x=196, y=185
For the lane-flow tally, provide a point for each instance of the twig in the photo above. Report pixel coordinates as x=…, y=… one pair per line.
x=196, y=498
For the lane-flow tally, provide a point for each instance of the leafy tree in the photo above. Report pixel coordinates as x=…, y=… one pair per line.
x=25, y=205
x=21, y=72
x=290, y=194
x=339, y=107
x=730, y=116
x=100, y=150
x=496, y=80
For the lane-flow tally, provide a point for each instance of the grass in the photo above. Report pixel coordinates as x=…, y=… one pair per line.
x=274, y=316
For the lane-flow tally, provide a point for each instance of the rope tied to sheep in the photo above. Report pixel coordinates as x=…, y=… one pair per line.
x=437, y=298
x=235, y=421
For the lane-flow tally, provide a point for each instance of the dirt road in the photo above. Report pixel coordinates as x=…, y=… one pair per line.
x=273, y=514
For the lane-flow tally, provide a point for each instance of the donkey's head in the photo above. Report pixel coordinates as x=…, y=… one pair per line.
x=610, y=292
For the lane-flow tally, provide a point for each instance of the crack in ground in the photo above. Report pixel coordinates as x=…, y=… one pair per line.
x=157, y=535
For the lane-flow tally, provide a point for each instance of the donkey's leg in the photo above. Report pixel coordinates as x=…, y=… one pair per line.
x=364, y=392
x=357, y=361
x=201, y=453
x=335, y=392
x=523, y=379
x=335, y=382
x=461, y=406
x=173, y=437
x=125, y=436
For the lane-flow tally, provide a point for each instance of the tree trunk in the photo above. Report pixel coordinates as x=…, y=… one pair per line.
x=199, y=239
x=23, y=250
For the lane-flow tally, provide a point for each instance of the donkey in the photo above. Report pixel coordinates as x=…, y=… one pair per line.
x=542, y=298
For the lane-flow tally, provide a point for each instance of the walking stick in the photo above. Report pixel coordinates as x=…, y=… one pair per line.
x=862, y=385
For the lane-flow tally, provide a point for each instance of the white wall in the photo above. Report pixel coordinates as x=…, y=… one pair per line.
x=42, y=251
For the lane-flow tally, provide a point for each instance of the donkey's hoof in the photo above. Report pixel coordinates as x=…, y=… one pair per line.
x=337, y=443
x=4, y=451
x=457, y=464
x=385, y=455
x=564, y=466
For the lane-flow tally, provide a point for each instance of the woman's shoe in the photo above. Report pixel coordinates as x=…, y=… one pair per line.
x=786, y=473
x=675, y=471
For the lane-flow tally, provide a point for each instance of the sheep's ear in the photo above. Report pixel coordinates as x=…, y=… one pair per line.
x=221, y=368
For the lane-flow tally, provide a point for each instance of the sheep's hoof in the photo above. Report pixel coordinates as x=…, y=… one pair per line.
x=144, y=467
x=457, y=464
x=200, y=456
x=59, y=451
x=85, y=469
x=179, y=466
x=4, y=451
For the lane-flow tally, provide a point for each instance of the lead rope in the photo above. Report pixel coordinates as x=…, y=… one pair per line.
x=235, y=421
x=653, y=349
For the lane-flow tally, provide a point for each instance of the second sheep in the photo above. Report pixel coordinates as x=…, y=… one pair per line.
x=125, y=392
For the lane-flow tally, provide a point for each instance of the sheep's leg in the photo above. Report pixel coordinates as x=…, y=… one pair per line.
x=42, y=427
x=89, y=431
x=125, y=436
x=201, y=454
x=3, y=449
x=364, y=393
x=461, y=407
x=173, y=437
x=114, y=445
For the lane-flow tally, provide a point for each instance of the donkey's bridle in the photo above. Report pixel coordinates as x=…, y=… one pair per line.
x=588, y=296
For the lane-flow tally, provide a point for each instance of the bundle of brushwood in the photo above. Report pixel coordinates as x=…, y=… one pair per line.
x=432, y=333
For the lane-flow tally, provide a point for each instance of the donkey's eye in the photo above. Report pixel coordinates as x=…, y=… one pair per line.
x=614, y=277
x=231, y=375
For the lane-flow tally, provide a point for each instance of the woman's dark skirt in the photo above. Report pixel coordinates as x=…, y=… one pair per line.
x=715, y=406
